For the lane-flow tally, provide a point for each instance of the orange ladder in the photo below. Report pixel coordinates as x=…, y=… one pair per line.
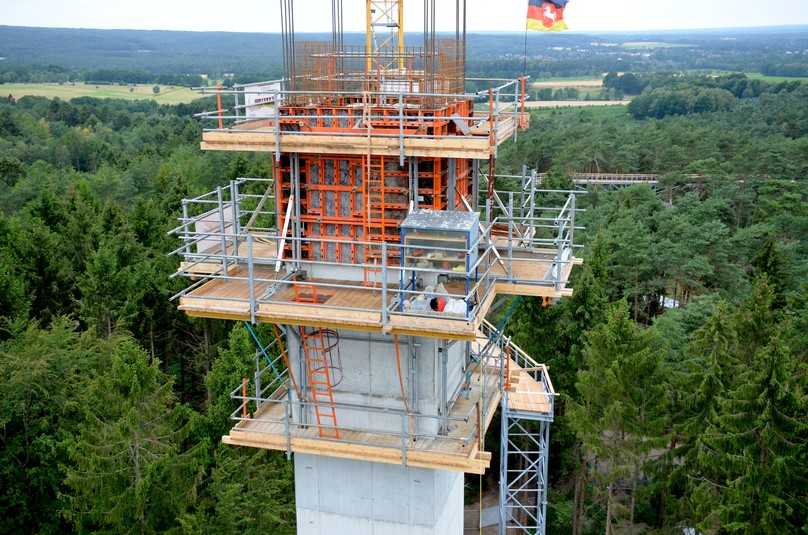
x=316, y=351
x=375, y=201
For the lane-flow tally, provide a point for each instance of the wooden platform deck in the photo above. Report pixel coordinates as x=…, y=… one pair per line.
x=458, y=450
x=262, y=249
x=340, y=308
x=525, y=394
x=351, y=308
x=260, y=136
x=536, y=267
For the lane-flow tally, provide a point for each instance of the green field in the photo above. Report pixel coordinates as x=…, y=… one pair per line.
x=752, y=76
x=776, y=79
x=652, y=44
x=558, y=83
x=167, y=95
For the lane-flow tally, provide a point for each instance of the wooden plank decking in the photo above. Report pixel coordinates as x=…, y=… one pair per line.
x=458, y=450
x=525, y=394
x=351, y=308
x=260, y=136
x=346, y=308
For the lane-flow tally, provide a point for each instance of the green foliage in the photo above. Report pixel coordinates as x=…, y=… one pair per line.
x=95, y=437
x=250, y=492
x=760, y=139
x=628, y=83
x=617, y=415
x=40, y=370
x=127, y=470
x=750, y=460
x=235, y=361
x=659, y=103
x=620, y=389
x=689, y=388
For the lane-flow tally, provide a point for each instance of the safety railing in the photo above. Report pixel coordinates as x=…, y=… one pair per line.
x=530, y=223
x=269, y=109
x=538, y=372
x=273, y=402
x=229, y=234
x=273, y=278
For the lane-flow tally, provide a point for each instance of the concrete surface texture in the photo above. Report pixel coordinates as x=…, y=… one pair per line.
x=345, y=497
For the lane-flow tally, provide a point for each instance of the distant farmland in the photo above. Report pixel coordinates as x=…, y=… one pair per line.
x=542, y=104
x=167, y=95
x=561, y=83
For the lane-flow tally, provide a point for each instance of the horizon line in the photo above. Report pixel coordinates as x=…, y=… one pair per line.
x=495, y=32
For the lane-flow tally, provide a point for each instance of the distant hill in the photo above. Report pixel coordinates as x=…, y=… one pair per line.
x=770, y=50
x=159, y=51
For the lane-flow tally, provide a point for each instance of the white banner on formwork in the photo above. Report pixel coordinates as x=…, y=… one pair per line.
x=259, y=99
x=212, y=223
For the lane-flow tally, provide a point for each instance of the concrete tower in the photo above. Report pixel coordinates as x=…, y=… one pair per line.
x=375, y=251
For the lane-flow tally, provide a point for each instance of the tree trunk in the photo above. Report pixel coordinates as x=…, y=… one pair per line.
x=608, y=510
x=141, y=516
x=580, y=491
x=208, y=393
x=634, y=478
x=151, y=339
x=663, y=497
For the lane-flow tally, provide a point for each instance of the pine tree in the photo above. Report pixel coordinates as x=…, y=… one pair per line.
x=128, y=472
x=708, y=371
x=618, y=417
x=249, y=492
x=700, y=381
x=754, y=475
x=770, y=262
x=39, y=373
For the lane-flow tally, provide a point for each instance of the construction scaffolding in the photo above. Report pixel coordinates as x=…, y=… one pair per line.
x=376, y=250
x=248, y=261
x=246, y=264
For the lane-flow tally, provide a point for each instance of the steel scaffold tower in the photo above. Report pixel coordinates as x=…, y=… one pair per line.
x=523, y=470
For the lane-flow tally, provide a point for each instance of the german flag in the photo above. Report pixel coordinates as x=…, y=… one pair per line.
x=546, y=15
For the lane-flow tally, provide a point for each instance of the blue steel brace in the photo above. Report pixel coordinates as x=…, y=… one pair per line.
x=260, y=347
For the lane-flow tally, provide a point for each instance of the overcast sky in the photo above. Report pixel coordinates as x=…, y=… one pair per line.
x=314, y=15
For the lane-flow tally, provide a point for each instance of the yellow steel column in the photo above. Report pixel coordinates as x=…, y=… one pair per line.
x=401, y=34
x=369, y=36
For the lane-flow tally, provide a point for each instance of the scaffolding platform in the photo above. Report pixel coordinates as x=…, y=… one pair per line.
x=241, y=271
x=310, y=116
x=344, y=304
x=376, y=250
x=458, y=449
x=262, y=136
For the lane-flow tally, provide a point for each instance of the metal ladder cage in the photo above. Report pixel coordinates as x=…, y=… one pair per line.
x=326, y=342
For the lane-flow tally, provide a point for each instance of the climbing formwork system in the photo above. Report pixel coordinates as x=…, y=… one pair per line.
x=376, y=250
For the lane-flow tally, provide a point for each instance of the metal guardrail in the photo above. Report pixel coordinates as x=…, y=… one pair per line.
x=219, y=230
x=409, y=110
x=528, y=364
x=271, y=388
